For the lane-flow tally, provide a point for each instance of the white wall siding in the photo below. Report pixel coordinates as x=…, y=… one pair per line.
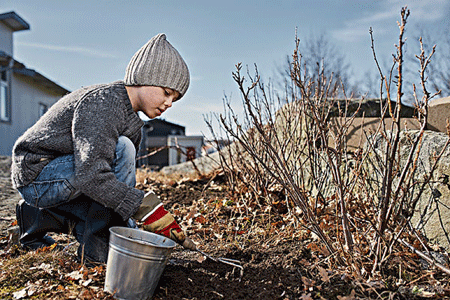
x=177, y=156
x=26, y=97
x=6, y=41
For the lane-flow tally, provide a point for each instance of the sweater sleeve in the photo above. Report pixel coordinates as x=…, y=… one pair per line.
x=97, y=123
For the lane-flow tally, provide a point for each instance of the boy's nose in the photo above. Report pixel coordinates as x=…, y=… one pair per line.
x=169, y=102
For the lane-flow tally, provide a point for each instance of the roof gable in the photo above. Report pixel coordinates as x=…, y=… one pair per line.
x=6, y=61
x=14, y=21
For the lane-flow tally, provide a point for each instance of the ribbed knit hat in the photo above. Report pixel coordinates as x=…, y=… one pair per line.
x=158, y=63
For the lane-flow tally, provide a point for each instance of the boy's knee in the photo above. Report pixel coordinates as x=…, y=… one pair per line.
x=125, y=149
x=125, y=162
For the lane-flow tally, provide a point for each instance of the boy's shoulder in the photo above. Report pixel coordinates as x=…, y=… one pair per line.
x=110, y=92
x=113, y=87
x=110, y=97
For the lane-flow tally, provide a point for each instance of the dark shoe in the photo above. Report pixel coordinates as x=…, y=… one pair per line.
x=92, y=227
x=34, y=223
x=94, y=249
x=45, y=241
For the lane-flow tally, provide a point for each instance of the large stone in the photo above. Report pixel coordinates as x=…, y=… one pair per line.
x=432, y=212
x=360, y=128
x=207, y=164
x=368, y=108
x=203, y=165
x=438, y=114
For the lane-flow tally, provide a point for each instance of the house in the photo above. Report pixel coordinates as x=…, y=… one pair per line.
x=165, y=144
x=25, y=94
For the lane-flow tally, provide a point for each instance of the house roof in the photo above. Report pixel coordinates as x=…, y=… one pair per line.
x=162, y=121
x=19, y=68
x=14, y=21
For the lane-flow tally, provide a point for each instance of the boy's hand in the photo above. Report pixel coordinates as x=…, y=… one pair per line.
x=158, y=220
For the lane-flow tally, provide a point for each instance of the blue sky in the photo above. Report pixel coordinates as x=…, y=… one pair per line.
x=79, y=43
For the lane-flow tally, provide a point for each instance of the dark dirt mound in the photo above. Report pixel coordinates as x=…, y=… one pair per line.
x=273, y=274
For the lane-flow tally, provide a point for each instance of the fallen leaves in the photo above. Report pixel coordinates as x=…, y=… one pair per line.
x=309, y=284
x=319, y=248
x=222, y=223
x=349, y=297
x=323, y=274
x=49, y=275
x=47, y=248
x=48, y=268
x=20, y=294
x=75, y=275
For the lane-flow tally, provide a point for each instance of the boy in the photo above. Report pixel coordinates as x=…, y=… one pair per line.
x=75, y=168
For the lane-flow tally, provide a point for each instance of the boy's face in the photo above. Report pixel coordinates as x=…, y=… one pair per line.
x=153, y=100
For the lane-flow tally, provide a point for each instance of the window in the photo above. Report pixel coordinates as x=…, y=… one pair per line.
x=190, y=153
x=4, y=99
x=42, y=109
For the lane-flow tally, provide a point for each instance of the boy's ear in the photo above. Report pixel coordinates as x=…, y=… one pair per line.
x=177, y=96
x=132, y=92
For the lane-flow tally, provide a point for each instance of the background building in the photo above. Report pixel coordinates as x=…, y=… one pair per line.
x=165, y=143
x=25, y=95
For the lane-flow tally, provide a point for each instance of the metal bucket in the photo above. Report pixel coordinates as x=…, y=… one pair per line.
x=136, y=260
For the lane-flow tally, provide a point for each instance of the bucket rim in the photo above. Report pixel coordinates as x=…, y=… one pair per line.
x=112, y=230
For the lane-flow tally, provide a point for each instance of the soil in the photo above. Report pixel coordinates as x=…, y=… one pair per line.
x=268, y=274
x=275, y=264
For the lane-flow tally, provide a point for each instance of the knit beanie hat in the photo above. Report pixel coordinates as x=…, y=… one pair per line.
x=158, y=63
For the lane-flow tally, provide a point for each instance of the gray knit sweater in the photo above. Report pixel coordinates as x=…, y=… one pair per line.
x=86, y=123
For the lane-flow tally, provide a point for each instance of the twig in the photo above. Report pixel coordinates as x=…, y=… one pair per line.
x=426, y=257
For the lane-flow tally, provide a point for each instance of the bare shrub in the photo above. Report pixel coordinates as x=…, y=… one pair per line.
x=357, y=203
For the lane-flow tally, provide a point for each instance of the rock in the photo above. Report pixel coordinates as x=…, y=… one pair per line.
x=362, y=127
x=438, y=113
x=432, y=212
x=204, y=165
x=369, y=108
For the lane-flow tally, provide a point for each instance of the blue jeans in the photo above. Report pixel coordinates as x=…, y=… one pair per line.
x=52, y=204
x=54, y=185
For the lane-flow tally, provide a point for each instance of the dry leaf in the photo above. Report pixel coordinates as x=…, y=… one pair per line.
x=201, y=258
x=349, y=297
x=306, y=297
x=31, y=290
x=201, y=219
x=75, y=275
x=85, y=282
x=308, y=282
x=239, y=232
x=46, y=249
x=323, y=274
x=97, y=270
x=191, y=214
x=20, y=294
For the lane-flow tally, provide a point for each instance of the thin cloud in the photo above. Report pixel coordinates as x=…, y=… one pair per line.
x=354, y=34
x=196, y=78
x=79, y=50
x=429, y=10
x=205, y=106
x=421, y=10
